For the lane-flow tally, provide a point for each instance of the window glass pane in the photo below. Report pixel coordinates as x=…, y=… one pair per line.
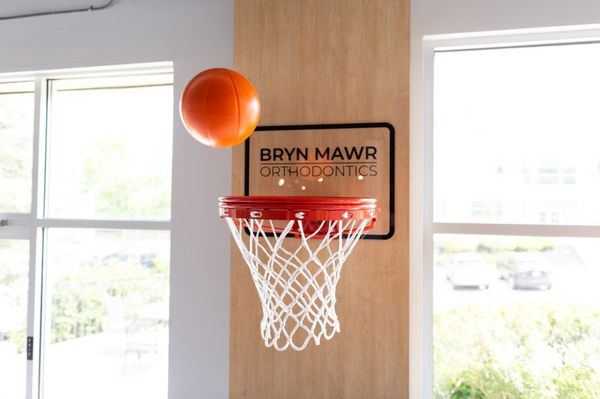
x=107, y=331
x=110, y=147
x=516, y=135
x=16, y=146
x=516, y=317
x=14, y=284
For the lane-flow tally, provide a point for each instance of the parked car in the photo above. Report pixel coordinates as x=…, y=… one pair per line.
x=526, y=271
x=470, y=270
x=148, y=259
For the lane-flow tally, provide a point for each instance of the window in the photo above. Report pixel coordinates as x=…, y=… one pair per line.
x=486, y=210
x=533, y=108
x=85, y=188
x=16, y=142
x=14, y=283
x=515, y=249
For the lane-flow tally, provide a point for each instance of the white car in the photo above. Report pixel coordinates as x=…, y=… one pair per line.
x=470, y=270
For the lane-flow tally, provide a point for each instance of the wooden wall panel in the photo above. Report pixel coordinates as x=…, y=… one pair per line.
x=330, y=61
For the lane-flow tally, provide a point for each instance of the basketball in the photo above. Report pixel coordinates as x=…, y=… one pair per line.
x=219, y=107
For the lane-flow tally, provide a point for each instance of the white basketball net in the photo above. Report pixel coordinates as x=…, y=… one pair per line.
x=296, y=277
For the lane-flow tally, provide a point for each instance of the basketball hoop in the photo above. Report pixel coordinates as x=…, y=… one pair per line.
x=295, y=249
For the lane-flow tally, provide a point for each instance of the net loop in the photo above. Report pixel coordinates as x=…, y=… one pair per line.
x=295, y=267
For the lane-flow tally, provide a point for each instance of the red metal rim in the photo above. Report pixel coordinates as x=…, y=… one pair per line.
x=297, y=208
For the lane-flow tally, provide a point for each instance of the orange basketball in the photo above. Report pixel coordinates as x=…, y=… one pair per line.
x=219, y=107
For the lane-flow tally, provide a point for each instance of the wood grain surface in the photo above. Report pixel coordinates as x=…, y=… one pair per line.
x=329, y=61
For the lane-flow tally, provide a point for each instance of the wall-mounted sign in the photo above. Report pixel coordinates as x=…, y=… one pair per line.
x=346, y=160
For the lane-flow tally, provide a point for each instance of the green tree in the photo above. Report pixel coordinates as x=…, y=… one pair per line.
x=520, y=351
x=120, y=190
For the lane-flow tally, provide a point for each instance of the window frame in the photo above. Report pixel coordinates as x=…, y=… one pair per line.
x=33, y=226
x=422, y=223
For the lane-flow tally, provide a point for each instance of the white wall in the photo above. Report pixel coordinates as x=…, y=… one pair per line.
x=430, y=17
x=195, y=35
x=437, y=17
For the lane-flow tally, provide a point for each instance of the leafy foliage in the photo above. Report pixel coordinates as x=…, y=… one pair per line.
x=523, y=351
x=79, y=302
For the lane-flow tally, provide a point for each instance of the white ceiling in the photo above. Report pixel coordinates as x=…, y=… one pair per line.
x=18, y=7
